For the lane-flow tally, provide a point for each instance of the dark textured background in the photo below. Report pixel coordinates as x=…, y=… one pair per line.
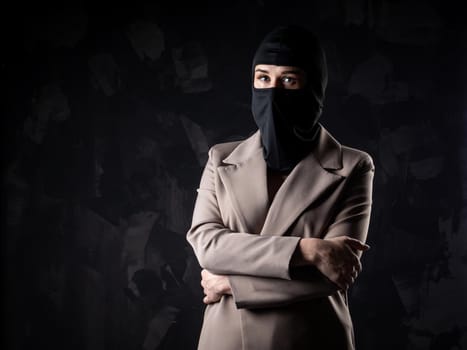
x=108, y=113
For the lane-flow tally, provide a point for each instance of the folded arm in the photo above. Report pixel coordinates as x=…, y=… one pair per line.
x=351, y=220
x=259, y=282
x=223, y=251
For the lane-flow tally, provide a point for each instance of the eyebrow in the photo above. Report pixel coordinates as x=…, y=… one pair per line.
x=284, y=72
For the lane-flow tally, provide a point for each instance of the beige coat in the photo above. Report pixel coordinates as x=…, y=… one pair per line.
x=233, y=232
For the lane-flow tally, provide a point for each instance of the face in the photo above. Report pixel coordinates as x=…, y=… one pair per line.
x=285, y=77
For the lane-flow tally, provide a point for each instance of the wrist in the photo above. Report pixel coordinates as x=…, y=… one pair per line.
x=297, y=258
x=308, y=249
x=226, y=288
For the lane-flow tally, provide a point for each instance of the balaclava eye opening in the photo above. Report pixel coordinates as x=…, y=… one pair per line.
x=288, y=118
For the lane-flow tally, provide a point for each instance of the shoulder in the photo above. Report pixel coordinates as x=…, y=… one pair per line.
x=354, y=158
x=235, y=152
x=341, y=158
x=220, y=151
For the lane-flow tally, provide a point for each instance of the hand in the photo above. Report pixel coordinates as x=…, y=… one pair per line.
x=215, y=286
x=337, y=258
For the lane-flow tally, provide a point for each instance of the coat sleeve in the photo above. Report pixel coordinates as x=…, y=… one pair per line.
x=352, y=219
x=223, y=251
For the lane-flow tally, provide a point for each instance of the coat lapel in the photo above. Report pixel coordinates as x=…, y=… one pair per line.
x=245, y=180
x=304, y=185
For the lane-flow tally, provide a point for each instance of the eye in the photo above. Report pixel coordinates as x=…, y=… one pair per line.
x=262, y=77
x=289, y=80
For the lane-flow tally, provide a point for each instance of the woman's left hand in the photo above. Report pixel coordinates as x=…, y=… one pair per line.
x=215, y=286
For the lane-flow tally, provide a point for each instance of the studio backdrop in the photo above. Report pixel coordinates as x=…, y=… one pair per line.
x=109, y=115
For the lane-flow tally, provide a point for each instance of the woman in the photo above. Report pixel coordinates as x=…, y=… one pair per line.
x=281, y=217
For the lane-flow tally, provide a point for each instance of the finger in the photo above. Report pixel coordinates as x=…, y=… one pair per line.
x=356, y=244
x=351, y=277
x=352, y=240
x=206, y=283
x=347, y=282
x=206, y=274
x=347, y=276
x=352, y=262
x=351, y=254
x=359, y=266
x=355, y=260
x=209, y=299
x=209, y=296
x=355, y=263
x=355, y=273
x=212, y=297
x=359, y=246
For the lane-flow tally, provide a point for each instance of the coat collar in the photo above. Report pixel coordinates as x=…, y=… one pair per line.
x=244, y=175
x=328, y=152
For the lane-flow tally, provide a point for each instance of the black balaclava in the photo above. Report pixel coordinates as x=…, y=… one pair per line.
x=288, y=118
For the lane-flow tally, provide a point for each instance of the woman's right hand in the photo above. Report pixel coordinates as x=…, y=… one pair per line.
x=337, y=258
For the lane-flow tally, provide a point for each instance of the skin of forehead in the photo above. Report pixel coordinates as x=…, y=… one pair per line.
x=270, y=68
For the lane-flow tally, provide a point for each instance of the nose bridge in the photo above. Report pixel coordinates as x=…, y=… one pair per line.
x=276, y=81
